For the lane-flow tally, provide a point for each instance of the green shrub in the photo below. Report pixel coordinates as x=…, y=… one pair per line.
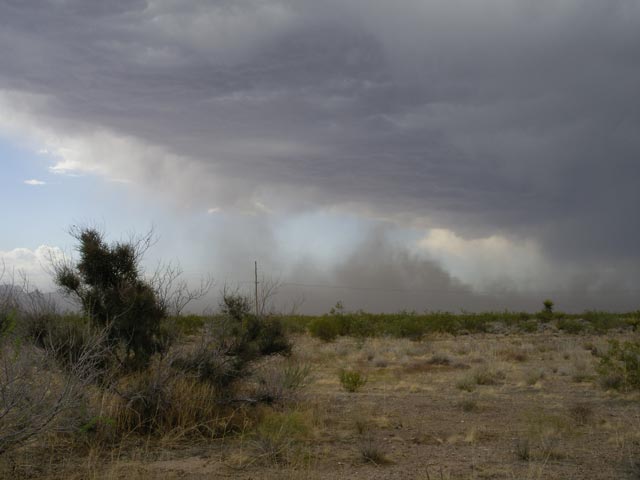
x=546, y=314
x=410, y=327
x=279, y=383
x=529, y=326
x=270, y=337
x=602, y=322
x=571, y=325
x=7, y=321
x=620, y=366
x=187, y=324
x=107, y=280
x=231, y=342
x=324, y=328
x=295, y=375
x=352, y=380
x=277, y=435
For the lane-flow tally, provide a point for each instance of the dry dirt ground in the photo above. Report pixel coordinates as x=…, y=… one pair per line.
x=517, y=406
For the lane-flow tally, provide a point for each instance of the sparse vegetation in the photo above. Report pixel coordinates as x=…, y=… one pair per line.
x=469, y=404
x=619, y=367
x=278, y=434
x=523, y=449
x=238, y=390
x=415, y=326
x=352, y=380
x=532, y=377
x=371, y=452
x=581, y=413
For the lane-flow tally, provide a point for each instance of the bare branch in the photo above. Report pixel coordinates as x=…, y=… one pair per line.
x=173, y=291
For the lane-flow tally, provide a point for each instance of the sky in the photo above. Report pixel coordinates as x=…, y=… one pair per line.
x=415, y=154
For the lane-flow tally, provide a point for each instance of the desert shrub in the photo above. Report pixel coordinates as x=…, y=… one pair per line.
x=161, y=401
x=514, y=354
x=230, y=344
x=550, y=432
x=277, y=434
x=352, y=380
x=581, y=371
x=570, y=325
x=439, y=359
x=466, y=383
x=481, y=375
x=581, y=413
x=36, y=327
x=214, y=360
x=528, y=326
x=602, y=322
x=371, y=452
x=247, y=335
x=619, y=367
x=358, y=324
x=611, y=382
x=186, y=324
x=70, y=338
x=469, y=404
x=546, y=314
x=523, y=449
x=7, y=321
x=107, y=280
x=325, y=328
x=147, y=397
x=532, y=377
x=409, y=326
x=270, y=337
x=279, y=383
x=295, y=323
x=295, y=375
x=486, y=376
x=37, y=397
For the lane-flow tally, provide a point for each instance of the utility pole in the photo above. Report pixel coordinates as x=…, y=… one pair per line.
x=256, y=271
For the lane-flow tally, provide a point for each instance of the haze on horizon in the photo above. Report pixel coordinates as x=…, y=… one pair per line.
x=416, y=154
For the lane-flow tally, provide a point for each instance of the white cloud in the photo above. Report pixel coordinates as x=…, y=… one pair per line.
x=493, y=260
x=33, y=264
x=34, y=182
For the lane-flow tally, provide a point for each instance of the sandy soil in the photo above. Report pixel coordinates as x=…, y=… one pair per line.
x=538, y=412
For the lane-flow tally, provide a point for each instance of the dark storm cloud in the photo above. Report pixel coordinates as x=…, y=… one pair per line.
x=516, y=117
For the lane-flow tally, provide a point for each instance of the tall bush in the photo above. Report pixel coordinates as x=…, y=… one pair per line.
x=107, y=280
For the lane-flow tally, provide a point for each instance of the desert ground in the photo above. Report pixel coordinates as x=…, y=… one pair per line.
x=478, y=406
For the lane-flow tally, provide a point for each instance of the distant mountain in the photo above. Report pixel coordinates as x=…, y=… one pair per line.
x=17, y=297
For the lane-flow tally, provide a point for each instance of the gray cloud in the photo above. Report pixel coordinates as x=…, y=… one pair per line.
x=380, y=276
x=500, y=116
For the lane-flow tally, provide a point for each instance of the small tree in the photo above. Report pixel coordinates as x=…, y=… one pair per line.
x=546, y=314
x=108, y=282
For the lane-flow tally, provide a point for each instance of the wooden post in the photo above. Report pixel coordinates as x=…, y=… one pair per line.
x=256, y=272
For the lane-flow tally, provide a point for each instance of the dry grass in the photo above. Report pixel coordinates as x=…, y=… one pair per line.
x=532, y=414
